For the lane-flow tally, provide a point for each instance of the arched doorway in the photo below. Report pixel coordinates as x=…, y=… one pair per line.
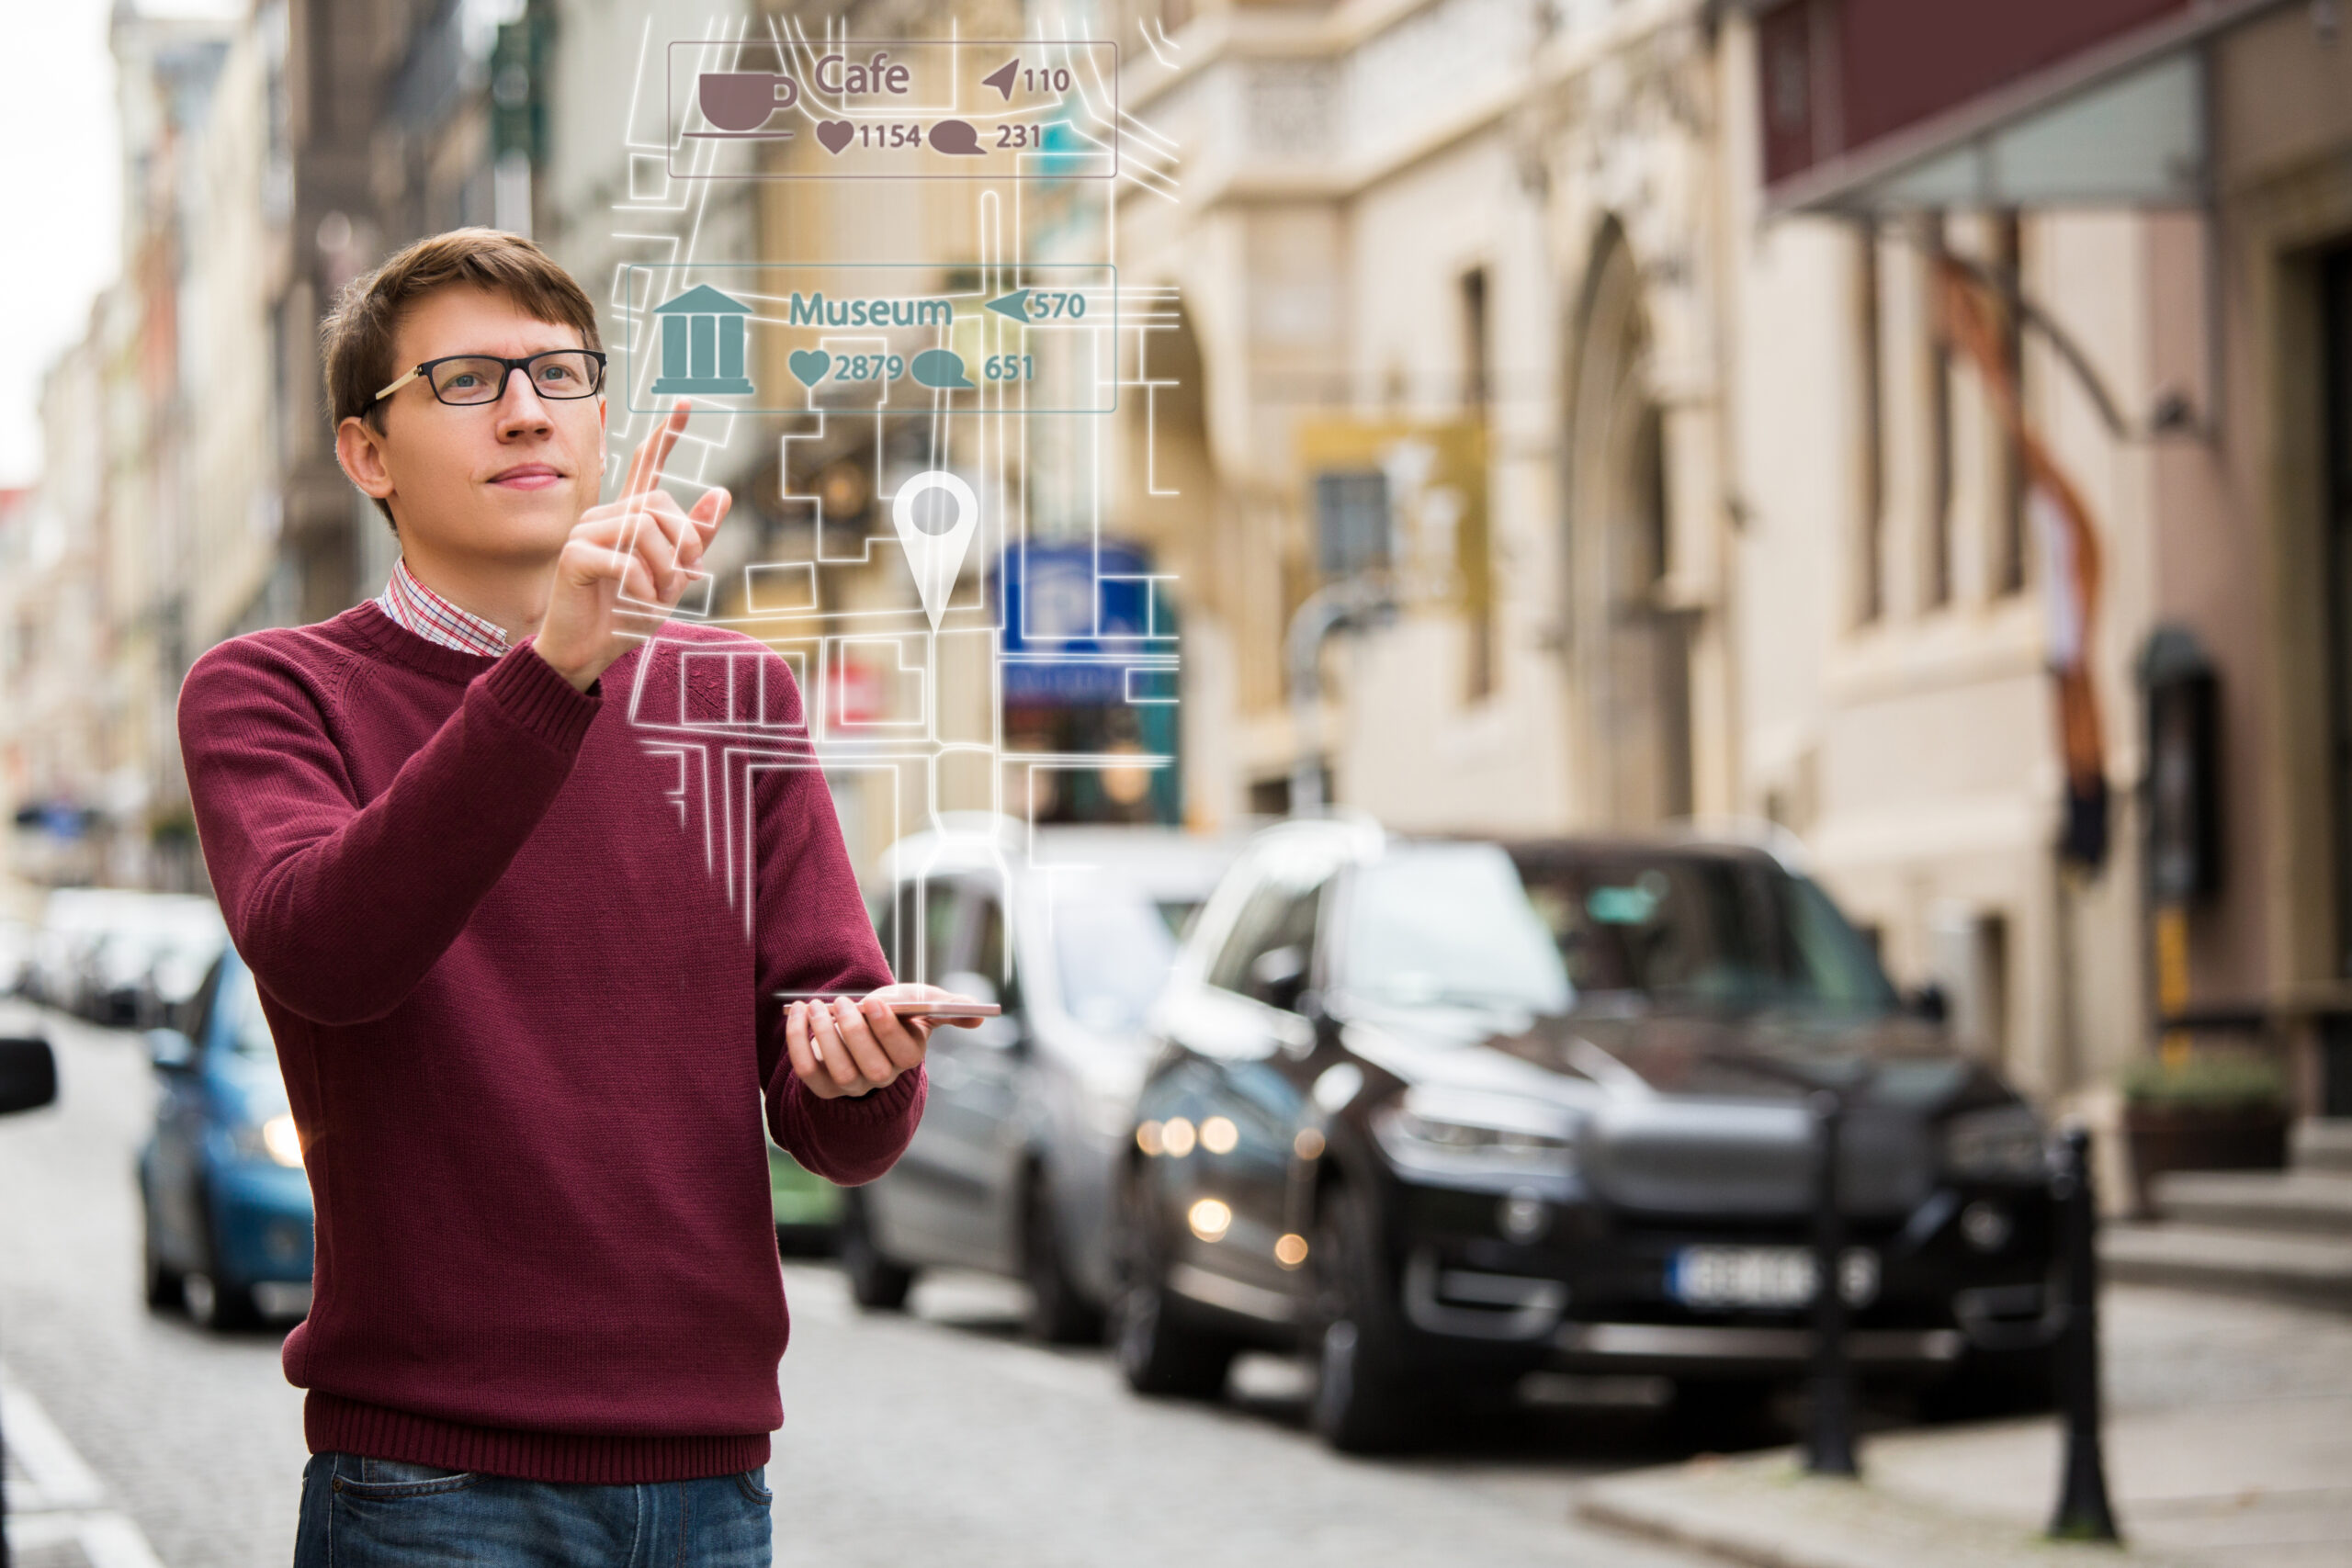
x=1628, y=651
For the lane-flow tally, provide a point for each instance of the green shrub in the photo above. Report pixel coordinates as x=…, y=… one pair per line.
x=2217, y=1080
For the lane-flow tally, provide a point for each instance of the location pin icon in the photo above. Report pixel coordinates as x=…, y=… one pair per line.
x=935, y=558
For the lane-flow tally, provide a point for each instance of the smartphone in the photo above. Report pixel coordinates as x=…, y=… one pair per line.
x=945, y=1010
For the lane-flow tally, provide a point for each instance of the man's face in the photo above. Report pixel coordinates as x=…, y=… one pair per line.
x=504, y=480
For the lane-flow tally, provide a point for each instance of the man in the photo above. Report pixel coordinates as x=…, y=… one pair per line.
x=523, y=1022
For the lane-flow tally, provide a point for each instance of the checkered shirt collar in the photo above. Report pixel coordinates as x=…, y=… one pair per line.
x=411, y=604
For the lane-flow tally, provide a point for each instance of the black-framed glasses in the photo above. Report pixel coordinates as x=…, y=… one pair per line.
x=469, y=378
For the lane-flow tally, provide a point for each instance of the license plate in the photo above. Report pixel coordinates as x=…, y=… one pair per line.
x=1762, y=1277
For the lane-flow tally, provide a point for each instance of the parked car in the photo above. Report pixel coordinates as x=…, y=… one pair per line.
x=1441, y=1114
x=1073, y=930
x=226, y=1204
x=73, y=921
x=152, y=952
x=16, y=942
x=28, y=1074
x=28, y=1081
x=189, y=940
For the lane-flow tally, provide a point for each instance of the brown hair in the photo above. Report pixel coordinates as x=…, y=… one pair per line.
x=356, y=335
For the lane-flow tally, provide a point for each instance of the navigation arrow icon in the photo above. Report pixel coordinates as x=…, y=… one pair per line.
x=1014, y=304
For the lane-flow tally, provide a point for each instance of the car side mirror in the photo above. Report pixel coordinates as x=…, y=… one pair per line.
x=1928, y=1002
x=1314, y=1007
x=170, y=1051
x=1278, y=976
x=28, y=1074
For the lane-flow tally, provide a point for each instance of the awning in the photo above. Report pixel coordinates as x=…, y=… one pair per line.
x=1880, y=106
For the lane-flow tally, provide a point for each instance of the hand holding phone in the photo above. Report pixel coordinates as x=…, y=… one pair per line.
x=849, y=1045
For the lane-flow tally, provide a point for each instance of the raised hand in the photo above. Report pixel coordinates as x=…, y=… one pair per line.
x=623, y=558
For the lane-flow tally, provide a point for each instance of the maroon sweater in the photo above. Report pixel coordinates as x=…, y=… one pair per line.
x=521, y=949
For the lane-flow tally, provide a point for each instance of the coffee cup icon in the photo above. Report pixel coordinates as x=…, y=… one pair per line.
x=741, y=101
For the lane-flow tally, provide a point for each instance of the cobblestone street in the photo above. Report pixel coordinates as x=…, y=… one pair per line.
x=906, y=1440
x=136, y=1440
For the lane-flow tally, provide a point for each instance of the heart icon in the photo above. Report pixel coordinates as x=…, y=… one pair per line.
x=835, y=133
x=810, y=365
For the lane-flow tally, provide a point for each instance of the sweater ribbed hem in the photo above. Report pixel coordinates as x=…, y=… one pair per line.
x=332, y=1423
x=529, y=690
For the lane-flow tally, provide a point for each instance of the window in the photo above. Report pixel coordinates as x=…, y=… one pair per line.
x=1477, y=386
x=1450, y=926
x=199, y=1008
x=990, y=957
x=244, y=1028
x=1478, y=391
x=1351, y=522
x=1870, y=567
x=1281, y=913
x=919, y=951
x=1114, y=948
x=2008, y=544
x=1697, y=931
x=1936, y=547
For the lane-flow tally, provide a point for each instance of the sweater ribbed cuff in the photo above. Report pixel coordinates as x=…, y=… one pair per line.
x=527, y=690
x=875, y=1105
x=334, y=1424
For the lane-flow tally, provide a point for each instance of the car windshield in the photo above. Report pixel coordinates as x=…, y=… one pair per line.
x=1449, y=925
x=1712, y=932
x=1113, y=949
x=243, y=1027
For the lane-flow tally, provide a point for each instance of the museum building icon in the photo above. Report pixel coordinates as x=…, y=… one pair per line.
x=702, y=344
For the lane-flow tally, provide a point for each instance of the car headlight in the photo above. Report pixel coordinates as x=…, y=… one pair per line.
x=277, y=1139
x=2004, y=1143
x=1469, y=1132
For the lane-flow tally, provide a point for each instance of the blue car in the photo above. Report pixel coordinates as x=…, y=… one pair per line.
x=221, y=1181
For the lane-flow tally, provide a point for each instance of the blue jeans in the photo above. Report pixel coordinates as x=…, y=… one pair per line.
x=376, y=1513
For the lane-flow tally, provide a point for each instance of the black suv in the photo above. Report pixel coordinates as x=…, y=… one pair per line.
x=1441, y=1114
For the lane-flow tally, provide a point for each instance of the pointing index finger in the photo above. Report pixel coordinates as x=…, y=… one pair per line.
x=645, y=471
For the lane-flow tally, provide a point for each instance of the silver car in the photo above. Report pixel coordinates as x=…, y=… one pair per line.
x=1073, y=930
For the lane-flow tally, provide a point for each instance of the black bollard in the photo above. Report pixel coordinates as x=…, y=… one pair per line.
x=1829, y=1442
x=2083, y=1512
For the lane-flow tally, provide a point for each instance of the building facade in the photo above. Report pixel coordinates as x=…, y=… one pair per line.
x=1763, y=534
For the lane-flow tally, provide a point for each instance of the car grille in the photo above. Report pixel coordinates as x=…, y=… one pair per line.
x=1726, y=1159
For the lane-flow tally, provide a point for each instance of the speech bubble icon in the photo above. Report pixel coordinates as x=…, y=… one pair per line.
x=941, y=369
x=957, y=136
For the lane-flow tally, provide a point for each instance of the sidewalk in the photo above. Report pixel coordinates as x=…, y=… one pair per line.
x=2229, y=1445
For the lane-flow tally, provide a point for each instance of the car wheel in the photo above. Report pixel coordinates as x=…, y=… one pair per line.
x=1362, y=1401
x=162, y=1281
x=1058, y=1314
x=875, y=1283
x=1159, y=1352
x=216, y=1300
